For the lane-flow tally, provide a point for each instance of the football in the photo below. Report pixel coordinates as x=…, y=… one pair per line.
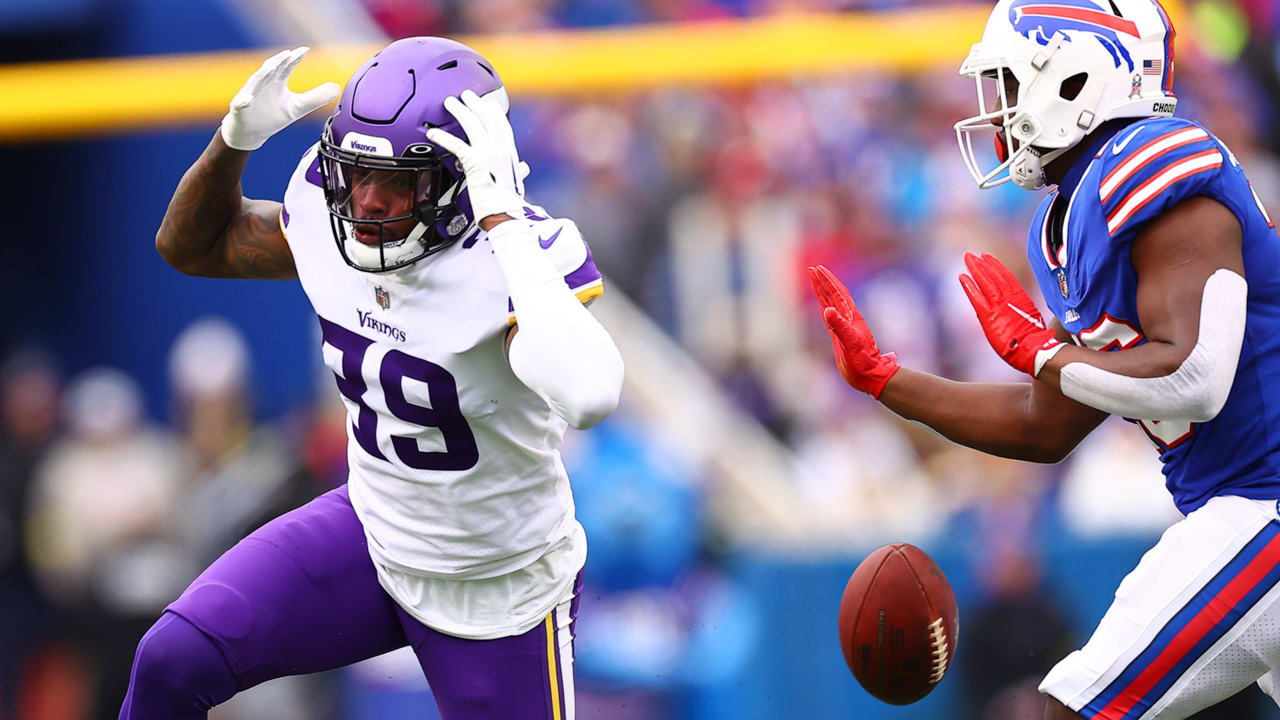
x=898, y=624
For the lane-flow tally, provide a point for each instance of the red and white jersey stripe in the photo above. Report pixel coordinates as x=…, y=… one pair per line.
x=1145, y=154
x=1152, y=166
x=1145, y=192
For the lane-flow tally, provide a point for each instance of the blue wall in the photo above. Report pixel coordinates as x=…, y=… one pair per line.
x=63, y=29
x=799, y=671
x=82, y=274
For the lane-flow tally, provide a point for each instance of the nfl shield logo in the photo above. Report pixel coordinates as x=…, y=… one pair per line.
x=1062, y=281
x=383, y=297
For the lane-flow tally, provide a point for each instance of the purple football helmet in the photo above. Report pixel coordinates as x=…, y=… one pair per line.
x=375, y=145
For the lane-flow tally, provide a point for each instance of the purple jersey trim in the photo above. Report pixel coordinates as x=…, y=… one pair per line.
x=576, y=280
x=573, y=612
x=284, y=215
x=313, y=173
x=586, y=274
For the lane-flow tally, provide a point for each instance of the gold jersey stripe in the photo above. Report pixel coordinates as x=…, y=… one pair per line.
x=552, y=670
x=585, y=294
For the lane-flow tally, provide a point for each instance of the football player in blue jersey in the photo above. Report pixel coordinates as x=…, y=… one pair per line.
x=1162, y=270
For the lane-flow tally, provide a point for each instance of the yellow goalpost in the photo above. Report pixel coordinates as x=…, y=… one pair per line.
x=62, y=99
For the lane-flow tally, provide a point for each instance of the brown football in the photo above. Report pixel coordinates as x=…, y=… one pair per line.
x=898, y=624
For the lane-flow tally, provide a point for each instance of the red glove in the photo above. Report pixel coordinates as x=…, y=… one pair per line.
x=1010, y=320
x=859, y=360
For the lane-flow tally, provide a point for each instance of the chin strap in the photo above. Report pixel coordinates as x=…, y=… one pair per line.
x=1027, y=171
x=376, y=257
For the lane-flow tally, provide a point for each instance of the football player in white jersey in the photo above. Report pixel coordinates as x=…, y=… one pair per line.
x=453, y=318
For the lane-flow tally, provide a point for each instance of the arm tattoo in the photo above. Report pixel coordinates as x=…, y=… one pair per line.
x=255, y=244
x=210, y=229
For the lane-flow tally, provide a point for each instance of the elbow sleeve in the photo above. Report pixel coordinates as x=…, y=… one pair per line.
x=561, y=351
x=1198, y=389
x=577, y=369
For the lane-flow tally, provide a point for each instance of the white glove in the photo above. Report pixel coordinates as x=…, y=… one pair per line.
x=495, y=175
x=265, y=105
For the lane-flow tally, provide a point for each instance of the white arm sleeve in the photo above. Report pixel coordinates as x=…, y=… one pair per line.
x=561, y=351
x=1198, y=389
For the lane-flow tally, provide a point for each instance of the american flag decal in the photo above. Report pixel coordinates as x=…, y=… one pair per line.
x=1152, y=67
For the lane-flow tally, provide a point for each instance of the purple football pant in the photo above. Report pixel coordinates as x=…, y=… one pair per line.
x=300, y=595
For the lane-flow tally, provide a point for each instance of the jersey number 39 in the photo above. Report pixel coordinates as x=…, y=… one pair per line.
x=444, y=413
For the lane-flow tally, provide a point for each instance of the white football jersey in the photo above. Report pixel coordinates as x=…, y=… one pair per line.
x=454, y=465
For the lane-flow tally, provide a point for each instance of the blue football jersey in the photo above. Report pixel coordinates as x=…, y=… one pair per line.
x=1089, y=283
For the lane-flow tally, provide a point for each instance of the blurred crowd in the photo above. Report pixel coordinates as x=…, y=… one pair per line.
x=705, y=207
x=401, y=18
x=105, y=515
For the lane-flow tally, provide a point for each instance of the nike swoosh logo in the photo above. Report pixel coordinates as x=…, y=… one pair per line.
x=544, y=244
x=1033, y=320
x=1120, y=145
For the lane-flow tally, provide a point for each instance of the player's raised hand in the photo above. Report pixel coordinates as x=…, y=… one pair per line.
x=1012, y=323
x=266, y=105
x=861, y=363
x=495, y=174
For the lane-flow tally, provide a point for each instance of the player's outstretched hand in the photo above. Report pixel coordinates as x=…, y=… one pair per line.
x=1012, y=323
x=265, y=105
x=861, y=363
x=495, y=175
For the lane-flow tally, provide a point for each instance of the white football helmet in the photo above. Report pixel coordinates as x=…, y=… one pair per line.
x=1077, y=64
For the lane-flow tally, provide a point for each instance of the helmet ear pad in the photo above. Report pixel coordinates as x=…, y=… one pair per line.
x=1002, y=152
